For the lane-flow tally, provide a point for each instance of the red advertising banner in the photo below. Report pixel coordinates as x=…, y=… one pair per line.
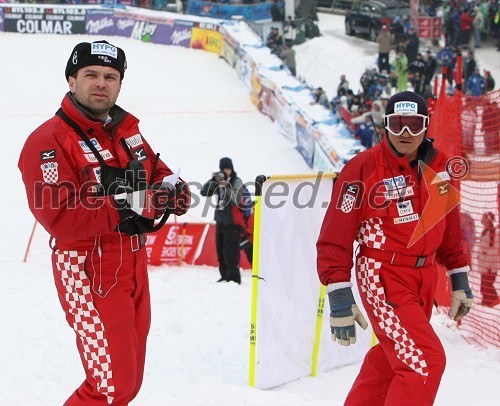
x=429, y=27
x=175, y=244
x=185, y=243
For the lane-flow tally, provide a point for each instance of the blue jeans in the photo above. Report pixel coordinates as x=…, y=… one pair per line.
x=477, y=37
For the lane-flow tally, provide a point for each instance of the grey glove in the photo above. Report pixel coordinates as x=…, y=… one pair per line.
x=461, y=296
x=343, y=314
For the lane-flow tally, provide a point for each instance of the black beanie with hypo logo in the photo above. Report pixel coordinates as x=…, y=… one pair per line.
x=406, y=103
x=96, y=53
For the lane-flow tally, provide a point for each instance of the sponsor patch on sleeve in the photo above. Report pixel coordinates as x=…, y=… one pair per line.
x=50, y=154
x=140, y=154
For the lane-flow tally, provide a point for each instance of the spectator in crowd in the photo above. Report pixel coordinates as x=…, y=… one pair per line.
x=277, y=12
x=339, y=101
x=430, y=69
x=490, y=125
x=228, y=188
x=484, y=9
x=364, y=133
x=384, y=40
x=469, y=64
x=465, y=26
x=289, y=30
x=288, y=56
x=418, y=65
x=417, y=69
x=445, y=54
x=468, y=124
x=451, y=71
x=496, y=27
x=367, y=79
x=401, y=67
x=274, y=41
x=412, y=45
x=457, y=31
x=320, y=97
x=489, y=82
x=475, y=84
x=344, y=84
x=397, y=29
x=406, y=24
x=489, y=251
x=478, y=25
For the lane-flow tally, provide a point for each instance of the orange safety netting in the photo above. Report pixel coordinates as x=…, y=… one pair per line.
x=468, y=130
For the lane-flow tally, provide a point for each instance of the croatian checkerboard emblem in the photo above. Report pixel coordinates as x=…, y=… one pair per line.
x=349, y=198
x=50, y=172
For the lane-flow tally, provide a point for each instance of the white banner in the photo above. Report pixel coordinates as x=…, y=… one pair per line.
x=292, y=212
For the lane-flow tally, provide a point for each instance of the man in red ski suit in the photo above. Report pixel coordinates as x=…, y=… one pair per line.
x=88, y=174
x=378, y=200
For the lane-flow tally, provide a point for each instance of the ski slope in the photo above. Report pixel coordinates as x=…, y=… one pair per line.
x=194, y=110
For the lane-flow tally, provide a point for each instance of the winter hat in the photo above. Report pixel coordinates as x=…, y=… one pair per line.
x=226, y=163
x=96, y=53
x=406, y=103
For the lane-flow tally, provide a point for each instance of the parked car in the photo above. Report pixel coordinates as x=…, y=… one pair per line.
x=367, y=17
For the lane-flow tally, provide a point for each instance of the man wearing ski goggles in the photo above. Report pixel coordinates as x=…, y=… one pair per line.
x=415, y=124
x=406, y=123
x=396, y=275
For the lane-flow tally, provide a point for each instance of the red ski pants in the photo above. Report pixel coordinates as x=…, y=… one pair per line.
x=106, y=301
x=405, y=368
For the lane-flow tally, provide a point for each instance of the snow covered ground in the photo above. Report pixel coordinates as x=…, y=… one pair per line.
x=194, y=110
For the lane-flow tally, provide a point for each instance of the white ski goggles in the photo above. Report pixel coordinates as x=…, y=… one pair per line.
x=416, y=124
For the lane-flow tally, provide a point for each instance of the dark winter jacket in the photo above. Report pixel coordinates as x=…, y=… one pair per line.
x=228, y=196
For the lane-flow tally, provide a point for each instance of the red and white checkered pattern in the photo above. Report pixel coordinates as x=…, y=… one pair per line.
x=406, y=349
x=371, y=234
x=347, y=203
x=86, y=321
x=50, y=172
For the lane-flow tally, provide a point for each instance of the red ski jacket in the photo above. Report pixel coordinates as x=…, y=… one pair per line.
x=377, y=201
x=60, y=173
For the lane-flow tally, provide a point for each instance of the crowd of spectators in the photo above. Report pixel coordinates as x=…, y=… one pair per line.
x=467, y=22
x=408, y=69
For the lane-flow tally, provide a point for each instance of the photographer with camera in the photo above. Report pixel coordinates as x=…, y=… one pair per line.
x=228, y=188
x=95, y=184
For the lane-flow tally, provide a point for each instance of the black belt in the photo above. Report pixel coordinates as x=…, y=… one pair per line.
x=396, y=258
x=137, y=241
